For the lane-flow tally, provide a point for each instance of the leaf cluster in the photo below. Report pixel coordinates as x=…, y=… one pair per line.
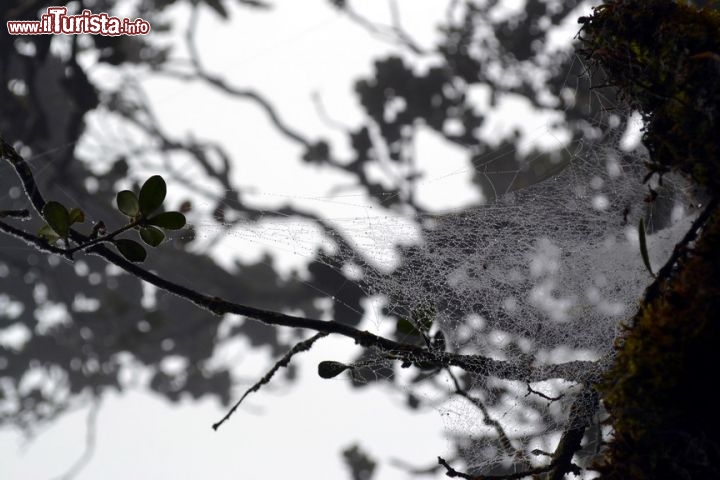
x=140, y=209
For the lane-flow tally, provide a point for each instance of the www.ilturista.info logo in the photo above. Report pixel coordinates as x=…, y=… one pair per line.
x=57, y=21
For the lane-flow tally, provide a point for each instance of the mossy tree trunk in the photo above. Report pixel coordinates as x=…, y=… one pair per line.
x=664, y=57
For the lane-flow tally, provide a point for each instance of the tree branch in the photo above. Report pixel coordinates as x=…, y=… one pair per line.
x=488, y=420
x=584, y=406
x=216, y=81
x=39, y=243
x=19, y=214
x=680, y=249
x=452, y=473
x=420, y=356
x=542, y=395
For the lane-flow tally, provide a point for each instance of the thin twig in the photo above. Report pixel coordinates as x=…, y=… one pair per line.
x=104, y=238
x=18, y=214
x=452, y=473
x=540, y=394
x=303, y=346
x=394, y=32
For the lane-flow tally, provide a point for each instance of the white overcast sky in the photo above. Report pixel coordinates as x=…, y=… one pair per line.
x=296, y=430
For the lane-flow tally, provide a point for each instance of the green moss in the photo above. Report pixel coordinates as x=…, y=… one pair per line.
x=660, y=391
x=664, y=57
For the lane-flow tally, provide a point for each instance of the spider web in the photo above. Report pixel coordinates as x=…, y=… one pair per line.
x=536, y=275
x=540, y=275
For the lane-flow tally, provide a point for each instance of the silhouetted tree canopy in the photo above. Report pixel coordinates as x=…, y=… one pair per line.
x=85, y=321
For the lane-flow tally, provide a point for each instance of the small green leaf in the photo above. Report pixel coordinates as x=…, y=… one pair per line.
x=406, y=327
x=131, y=249
x=643, y=246
x=48, y=234
x=77, y=215
x=152, y=236
x=57, y=217
x=127, y=203
x=168, y=220
x=330, y=369
x=152, y=194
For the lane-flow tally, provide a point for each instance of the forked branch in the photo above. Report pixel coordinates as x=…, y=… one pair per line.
x=584, y=406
